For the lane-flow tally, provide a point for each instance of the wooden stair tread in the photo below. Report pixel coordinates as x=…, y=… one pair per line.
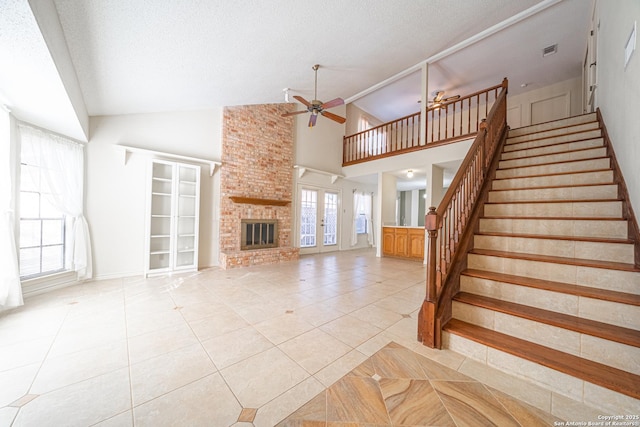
x=556, y=187
x=584, y=369
x=556, y=237
x=548, y=145
x=542, y=138
x=595, y=120
x=556, y=218
x=560, y=287
x=551, y=163
x=554, y=174
x=565, y=321
x=620, y=266
x=550, y=154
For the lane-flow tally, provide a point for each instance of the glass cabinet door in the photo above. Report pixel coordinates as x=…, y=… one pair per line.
x=172, y=240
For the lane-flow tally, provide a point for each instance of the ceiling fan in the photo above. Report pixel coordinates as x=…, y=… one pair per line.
x=439, y=99
x=316, y=107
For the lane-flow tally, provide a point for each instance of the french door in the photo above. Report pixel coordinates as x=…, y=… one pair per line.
x=319, y=218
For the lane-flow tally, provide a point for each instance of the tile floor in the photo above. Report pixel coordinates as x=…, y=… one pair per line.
x=245, y=347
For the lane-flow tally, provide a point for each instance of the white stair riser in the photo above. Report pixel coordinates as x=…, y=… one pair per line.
x=555, y=132
x=615, y=280
x=553, y=227
x=532, y=142
x=539, y=298
x=613, y=313
x=551, y=149
x=613, y=252
x=557, y=382
x=600, y=177
x=537, y=140
x=571, y=121
x=591, y=192
x=554, y=337
x=591, y=153
x=577, y=166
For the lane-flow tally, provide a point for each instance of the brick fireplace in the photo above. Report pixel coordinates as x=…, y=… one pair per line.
x=256, y=181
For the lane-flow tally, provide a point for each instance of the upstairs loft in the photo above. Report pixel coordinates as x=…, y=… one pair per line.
x=442, y=124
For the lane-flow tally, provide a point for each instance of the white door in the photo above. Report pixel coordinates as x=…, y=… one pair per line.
x=319, y=214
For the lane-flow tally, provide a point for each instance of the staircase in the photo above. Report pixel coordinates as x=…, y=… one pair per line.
x=550, y=292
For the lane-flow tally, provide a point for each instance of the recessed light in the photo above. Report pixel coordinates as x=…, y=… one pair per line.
x=524, y=85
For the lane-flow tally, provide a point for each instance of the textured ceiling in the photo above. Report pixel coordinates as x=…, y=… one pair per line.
x=62, y=60
x=148, y=55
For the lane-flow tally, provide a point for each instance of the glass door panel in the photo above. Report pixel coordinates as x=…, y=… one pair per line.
x=319, y=219
x=308, y=218
x=330, y=219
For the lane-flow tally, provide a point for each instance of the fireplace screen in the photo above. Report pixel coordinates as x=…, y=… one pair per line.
x=259, y=234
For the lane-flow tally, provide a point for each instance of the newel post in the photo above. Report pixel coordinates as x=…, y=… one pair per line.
x=427, y=317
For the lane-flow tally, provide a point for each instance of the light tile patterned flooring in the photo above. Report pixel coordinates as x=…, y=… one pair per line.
x=240, y=347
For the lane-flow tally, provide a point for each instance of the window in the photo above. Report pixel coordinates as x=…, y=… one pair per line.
x=363, y=124
x=362, y=222
x=54, y=234
x=42, y=226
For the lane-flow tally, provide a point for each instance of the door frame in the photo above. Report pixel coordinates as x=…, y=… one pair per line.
x=319, y=248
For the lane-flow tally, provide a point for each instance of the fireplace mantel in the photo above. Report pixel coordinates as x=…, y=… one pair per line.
x=258, y=201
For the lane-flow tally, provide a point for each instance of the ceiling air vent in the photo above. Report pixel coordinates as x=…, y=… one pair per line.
x=550, y=50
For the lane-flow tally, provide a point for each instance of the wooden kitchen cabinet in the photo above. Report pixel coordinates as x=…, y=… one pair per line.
x=403, y=242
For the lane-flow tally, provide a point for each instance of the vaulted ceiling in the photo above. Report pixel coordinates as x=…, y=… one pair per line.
x=139, y=56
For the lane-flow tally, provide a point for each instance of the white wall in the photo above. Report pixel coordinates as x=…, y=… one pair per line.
x=116, y=197
x=319, y=147
x=618, y=91
x=519, y=106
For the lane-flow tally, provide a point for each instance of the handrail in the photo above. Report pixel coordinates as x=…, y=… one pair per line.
x=447, y=225
x=450, y=121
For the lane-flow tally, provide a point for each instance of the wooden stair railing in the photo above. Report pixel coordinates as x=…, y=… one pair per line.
x=448, y=233
x=451, y=121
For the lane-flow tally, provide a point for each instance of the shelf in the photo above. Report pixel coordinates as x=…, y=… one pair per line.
x=162, y=194
x=159, y=253
x=126, y=149
x=160, y=216
x=160, y=236
x=257, y=201
x=304, y=169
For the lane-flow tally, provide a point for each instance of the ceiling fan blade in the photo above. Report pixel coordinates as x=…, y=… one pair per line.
x=451, y=98
x=312, y=120
x=333, y=117
x=438, y=96
x=302, y=100
x=294, y=113
x=333, y=103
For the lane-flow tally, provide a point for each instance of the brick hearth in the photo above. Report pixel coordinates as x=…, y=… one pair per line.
x=257, y=158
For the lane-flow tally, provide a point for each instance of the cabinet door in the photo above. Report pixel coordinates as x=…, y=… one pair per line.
x=416, y=244
x=187, y=200
x=173, y=217
x=388, y=241
x=160, y=221
x=402, y=242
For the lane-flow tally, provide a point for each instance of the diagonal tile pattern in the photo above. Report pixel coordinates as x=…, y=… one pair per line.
x=326, y=340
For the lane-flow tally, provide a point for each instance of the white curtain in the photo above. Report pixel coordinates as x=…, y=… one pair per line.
x=10, y=288
x=62, y=163
x=362, y=203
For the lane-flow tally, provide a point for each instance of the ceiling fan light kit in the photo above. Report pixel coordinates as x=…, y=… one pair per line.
x=316, y=107
x=439, y=99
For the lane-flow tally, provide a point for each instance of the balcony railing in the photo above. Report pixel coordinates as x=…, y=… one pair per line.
x=448, y=122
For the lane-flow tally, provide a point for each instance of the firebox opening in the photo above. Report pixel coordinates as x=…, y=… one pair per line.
x=259, y=234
